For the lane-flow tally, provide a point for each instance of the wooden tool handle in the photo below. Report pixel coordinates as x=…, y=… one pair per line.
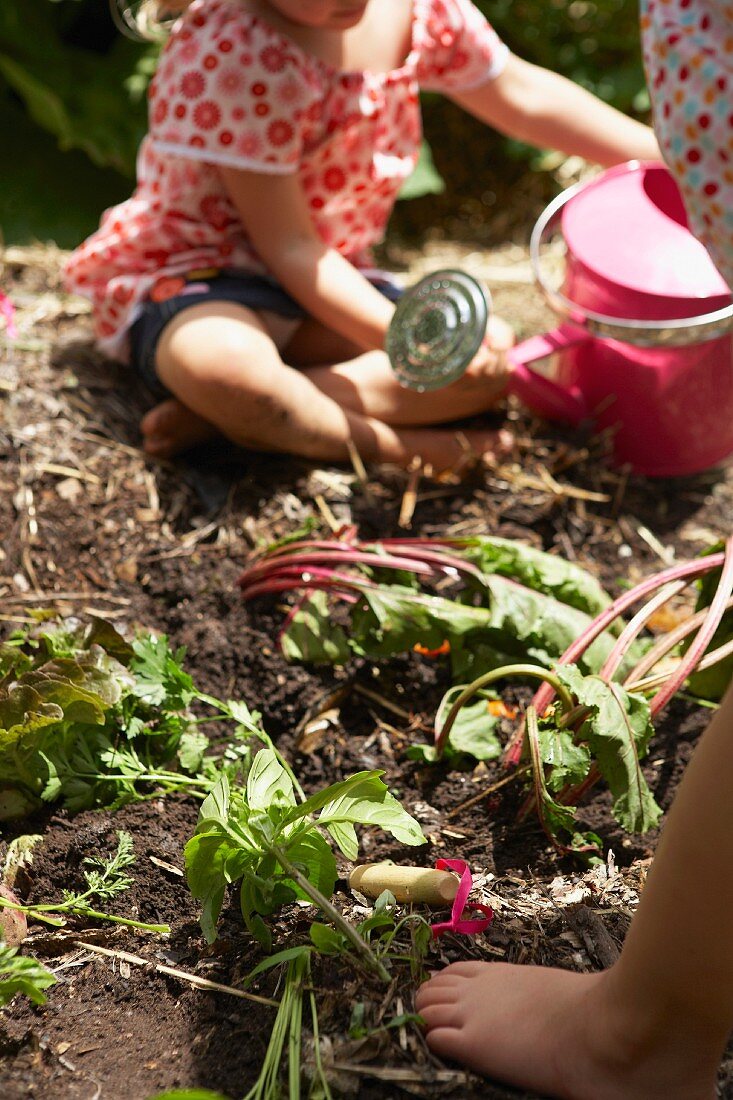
x=418, y=884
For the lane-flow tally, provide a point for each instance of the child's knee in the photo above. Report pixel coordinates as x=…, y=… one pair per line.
x=224, y=364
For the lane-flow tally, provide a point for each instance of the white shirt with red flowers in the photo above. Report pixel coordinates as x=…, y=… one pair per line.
x=231, y=90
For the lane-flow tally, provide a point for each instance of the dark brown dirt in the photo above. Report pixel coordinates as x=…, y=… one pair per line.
x=161, y=546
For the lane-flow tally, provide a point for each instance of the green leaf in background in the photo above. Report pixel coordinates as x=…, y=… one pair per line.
x=425, y=180
x=517, y=624
x=75, y=94
x=313, y=636
x=31, y=209
x=70, y=81
x=44, y=106
x=547, y=573
x=474, y=732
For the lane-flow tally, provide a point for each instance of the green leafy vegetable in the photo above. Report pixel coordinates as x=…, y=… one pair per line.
x=513, y=602
x=516, y=624
x=474, y=732
x=276, y=847
x=617, y=731
x=19, y=974
x=89, y=719
x=547, y=573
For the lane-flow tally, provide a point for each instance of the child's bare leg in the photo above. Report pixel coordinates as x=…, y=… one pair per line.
x=220, y=362
x=367, y=384
x=656, y=1024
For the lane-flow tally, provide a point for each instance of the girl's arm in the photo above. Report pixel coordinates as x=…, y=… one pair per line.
x=544, y=109
x=275, y=215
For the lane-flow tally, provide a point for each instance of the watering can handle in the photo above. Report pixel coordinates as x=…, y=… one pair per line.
x=546, y=397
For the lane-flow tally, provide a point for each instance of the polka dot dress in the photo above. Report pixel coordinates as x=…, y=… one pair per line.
x=230, y=90
x=688, y=51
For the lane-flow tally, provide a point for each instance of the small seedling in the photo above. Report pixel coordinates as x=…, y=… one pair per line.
x=275, y=847
x=105, y=880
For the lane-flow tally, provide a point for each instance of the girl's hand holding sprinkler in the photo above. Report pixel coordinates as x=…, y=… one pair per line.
x=238, y=279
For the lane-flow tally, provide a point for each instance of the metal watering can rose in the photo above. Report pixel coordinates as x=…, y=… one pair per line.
x=644, y=346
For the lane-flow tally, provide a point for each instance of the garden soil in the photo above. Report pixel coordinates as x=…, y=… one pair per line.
x=90, y=527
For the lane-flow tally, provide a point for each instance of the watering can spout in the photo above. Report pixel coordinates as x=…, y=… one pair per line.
x=541, y=394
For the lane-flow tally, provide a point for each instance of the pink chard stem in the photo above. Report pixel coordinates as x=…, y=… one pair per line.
x=704, y=637
x=543, y=697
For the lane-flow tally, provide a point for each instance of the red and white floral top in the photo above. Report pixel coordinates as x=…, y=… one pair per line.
x=230, y=90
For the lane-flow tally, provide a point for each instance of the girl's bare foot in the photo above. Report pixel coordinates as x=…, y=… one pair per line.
x=171, y=427
x=561, y=1034
x=456, y=452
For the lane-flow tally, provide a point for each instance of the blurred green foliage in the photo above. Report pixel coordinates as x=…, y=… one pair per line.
x=594, y=42
x=72, y=97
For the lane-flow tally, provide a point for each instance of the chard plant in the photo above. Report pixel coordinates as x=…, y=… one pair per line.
x=275, y=846
x=511, y=602
x=598, y=727
x=517, y=613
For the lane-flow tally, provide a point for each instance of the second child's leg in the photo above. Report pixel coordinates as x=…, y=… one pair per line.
x=656, y=1024
x=221, y=364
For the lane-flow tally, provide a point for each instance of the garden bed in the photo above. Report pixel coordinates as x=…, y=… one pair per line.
x=91, y=527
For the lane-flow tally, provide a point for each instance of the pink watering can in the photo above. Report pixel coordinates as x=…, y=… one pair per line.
x=644, y=347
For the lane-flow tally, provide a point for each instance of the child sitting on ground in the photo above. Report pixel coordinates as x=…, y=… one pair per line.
x=238, y=278
x=656, y=1023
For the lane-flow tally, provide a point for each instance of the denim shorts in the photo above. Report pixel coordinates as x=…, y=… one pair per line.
x=257, y=292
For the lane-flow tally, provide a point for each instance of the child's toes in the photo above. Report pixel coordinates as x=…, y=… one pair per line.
x=172, y=427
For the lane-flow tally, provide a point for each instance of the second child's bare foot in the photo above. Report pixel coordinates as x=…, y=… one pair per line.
x=172, y=427
x=460, y=452
x=558, y=1033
